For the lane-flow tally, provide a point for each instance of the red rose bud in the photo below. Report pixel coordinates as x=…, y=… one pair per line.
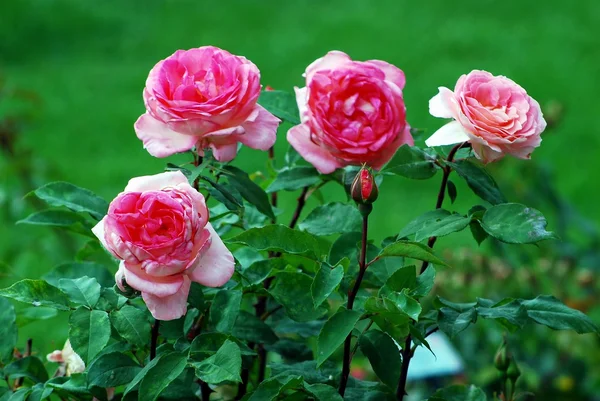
x=364, y=189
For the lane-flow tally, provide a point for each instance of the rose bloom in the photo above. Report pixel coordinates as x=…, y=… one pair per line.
x=495, y=114
x=204, y=98
x=352, y=113
x=158, y=227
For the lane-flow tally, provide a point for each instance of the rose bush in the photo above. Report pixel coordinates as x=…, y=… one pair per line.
x=300, y=290
x=493, y=113
x=204, y=98
x=158, y=227
x=352, y=113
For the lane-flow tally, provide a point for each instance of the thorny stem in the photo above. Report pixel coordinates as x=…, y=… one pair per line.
x=154, y=338
x=407, y=351
x=351, y=297
x=301, y=203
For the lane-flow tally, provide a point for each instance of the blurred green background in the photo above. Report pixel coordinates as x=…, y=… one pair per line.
x=73, y=71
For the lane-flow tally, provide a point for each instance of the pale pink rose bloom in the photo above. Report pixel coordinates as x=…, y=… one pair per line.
x=494, y=113
x=158, y=227
x=204, y=98
x=352, y=113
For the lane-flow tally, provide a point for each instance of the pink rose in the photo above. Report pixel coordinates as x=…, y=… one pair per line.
x=493, y=113
x=352, y=113
x=204, y=97
x=158, y=227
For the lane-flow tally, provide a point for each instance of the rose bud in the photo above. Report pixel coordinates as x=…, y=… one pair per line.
x=502, y=358
x=364, y=189
x=493, y=113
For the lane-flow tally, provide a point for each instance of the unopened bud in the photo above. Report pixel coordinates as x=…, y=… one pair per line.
x=513, y=371
x=364, y=189
x=502, y=358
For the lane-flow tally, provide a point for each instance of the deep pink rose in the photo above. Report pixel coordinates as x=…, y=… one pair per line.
x=158, y=227
x=493, y=113
x=204, y=97
x=352, y=113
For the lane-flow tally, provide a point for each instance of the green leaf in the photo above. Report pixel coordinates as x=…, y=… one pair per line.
x=271, y=388
x=459, y=393
x=157, y=378
x=326, y=280
x=406, y=304
x=37, y=293
x=19, y=395
x=334, y=332
x=73, y=197
x=479, y=181
x=33, y=314
x=207, y=344
x=112, y=370
x=452, y=322
x=291, y=156
x=258, y=271
x=425, y=283
x=223, y=366
x=440, y=227
x=292, y=290
x=479, y=234
x=250, y=328
x=132, y=324
x=509, y=312
x=411, y=162
x=307, y=369
x=332, y=218
x=74, y=270
x=323, y=392
x=412, y=250
x=516, y=224
x=39, y=393
x=29, y=366
x=293, y=178
x=452, y=192
x=279, y=238
x=89, y=332
x=8, y=330
x=418, y=223
x=383, y=354
x=225, y=309
x=249, y=190
x=403, y=278
x=224, y=195
x=82, y=291
x=281, y=104
x=110, y=300
x=75, y=384
x=551, y=312
x=60, y=218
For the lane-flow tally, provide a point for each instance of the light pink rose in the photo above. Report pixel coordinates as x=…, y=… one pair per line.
x=352, y=113
x=158, y=227
x=204, y=98
x=493, y=113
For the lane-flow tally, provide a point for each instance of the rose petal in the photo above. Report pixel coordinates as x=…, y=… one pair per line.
x=449, y=134
x=159, y=140
x=159, y=286
x=331, y=60
x=439, y=105
x=120, y=276
x=302, y=101
x=388, y=151
x=99, y=232
x=215, y=267
x=155, y=182
x=299, y=138
x=392, y=73
x=224, y=152
x=169, y=307
x=260, y=133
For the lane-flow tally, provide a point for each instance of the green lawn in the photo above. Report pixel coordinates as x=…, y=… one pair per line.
x=88, y=62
